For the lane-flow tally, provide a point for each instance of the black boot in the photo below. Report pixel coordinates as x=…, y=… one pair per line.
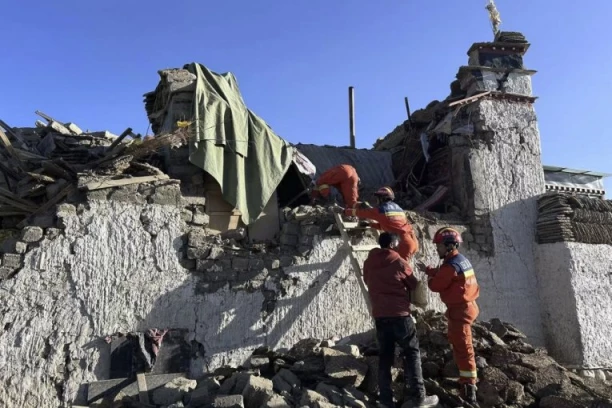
x=468, y=392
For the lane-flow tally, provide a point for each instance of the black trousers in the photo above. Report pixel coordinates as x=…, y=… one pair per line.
x=401, y=331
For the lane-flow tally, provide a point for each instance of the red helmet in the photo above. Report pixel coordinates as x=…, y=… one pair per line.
x=385, y=192
x=447, y=236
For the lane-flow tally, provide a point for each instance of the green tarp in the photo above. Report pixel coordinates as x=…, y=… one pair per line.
x=234, y=145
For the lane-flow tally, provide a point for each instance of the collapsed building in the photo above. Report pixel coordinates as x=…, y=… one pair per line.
x=188, y=251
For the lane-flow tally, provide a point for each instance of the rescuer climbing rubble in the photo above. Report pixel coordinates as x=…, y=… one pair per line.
x=456, y=282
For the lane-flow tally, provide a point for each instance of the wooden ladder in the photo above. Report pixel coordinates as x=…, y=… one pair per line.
x=343, y=227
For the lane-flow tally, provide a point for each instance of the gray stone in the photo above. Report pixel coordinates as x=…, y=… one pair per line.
x=201, y=219
x=311, y=230
x=257, y=392
x=228, y=401
x=259, y=362
x=72, y=127
x=173, y=391
x=198, y=252
x=290, y=228
x=285, y=380
x=21, y=247
x=332, y=393
x=186, y=215
x=216, y=253
x=310, y=398
x=196, y=239
x=256, y=264
x=32, y=234
x=167, y=195
x=240, y=264
x=11, y=261
x=286, y=261
x=276, y=401
x=43, y=221
x=351, y=349
x=200, y=396
x=344, y=366
x=290, y=240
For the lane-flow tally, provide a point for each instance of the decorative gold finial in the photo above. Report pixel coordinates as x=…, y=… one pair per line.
x=494, y=17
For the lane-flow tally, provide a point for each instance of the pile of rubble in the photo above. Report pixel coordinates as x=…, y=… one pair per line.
x=41, y=166
x=338, y=374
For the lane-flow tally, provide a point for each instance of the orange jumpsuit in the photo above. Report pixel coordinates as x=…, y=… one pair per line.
x=344, y=178
x=390, y=217
x=458, y=288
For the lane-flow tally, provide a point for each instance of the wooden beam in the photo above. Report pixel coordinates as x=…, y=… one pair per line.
x=7, y=143
x=468, y=100
x=143, y=391
x=119, y=139
x=98, y=185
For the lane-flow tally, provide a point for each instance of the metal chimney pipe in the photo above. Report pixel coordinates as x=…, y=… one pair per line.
x=352, y=115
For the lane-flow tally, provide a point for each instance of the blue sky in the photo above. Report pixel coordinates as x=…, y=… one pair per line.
x=90, y=62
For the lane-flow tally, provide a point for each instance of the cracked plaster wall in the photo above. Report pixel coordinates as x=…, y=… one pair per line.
x=498, y=175
x=117, y=267
x=576, y=295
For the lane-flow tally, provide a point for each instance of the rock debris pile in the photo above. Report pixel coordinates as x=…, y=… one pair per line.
x=331, y=373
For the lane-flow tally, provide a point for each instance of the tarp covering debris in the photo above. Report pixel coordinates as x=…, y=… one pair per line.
x=234, y=145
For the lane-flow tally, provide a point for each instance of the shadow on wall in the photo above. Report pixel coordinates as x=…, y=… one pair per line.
x=225, y=326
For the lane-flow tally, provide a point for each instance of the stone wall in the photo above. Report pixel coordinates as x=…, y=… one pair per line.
x=576, y=295
x=130, y=259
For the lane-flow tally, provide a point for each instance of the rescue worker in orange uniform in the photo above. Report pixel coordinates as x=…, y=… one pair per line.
x=389, y=217
x=458, y=288
x=344, y=178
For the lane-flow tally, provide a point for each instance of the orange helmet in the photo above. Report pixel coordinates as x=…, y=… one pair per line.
x=385, y=192
x=447, y=236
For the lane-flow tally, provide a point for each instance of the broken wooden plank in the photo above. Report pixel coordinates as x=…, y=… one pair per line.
x=7, y=143
x=12, y=196
x=46, y=117
x=468, y=100
x=57, y=171
x=63, y=193
x=143, y=391
x=98, y=185
x=41, y=177
x=13, y=133
x=118, y=140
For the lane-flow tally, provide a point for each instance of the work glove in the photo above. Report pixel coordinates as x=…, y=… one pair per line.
x=431, y=271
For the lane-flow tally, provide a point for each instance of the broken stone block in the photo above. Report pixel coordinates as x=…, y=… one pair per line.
x=201, y=219
x=240, y=264
x=228, y=401
x=32, y=234
x=290, y=228
x=430, y=369
x=173, y=391
x=276, y=401
x=186, y=215
x=554, y=401
x=21, y=247
x=303, y=348
x=290, y=240
x=343, y=366
x=351, y=349
x=169, y=194
x=311, y=230
x=196, y=238
x=198, y=252
x=310, y=398
x=332, y=393
x=72, y=127
x=59, y=128
x=216, y=253
x=12, y=261
x=450, y=370
x=257, y=392
x=285, y=381
x=235, y=384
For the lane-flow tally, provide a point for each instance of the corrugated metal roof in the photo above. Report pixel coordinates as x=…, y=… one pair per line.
x=373, y=166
